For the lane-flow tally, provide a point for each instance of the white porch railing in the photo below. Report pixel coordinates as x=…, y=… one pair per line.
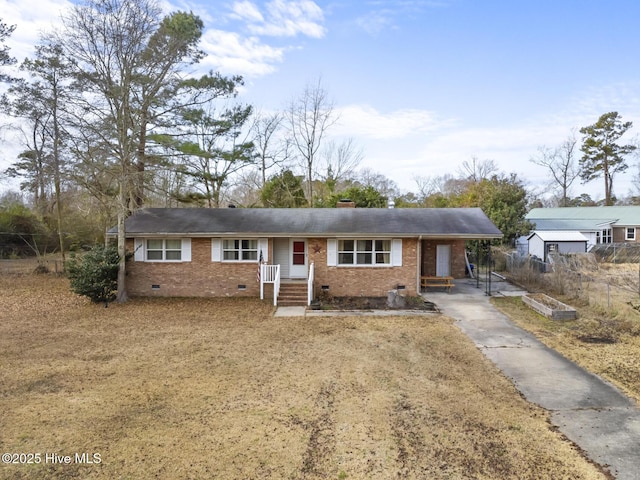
x=310, y=294
x=270, y=274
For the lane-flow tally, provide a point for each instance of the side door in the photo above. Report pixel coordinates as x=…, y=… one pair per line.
x=443, y=260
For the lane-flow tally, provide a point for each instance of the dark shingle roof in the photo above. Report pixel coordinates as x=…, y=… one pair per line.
x=436, y=222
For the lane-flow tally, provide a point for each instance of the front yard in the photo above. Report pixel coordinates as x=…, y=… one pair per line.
x=183, y=388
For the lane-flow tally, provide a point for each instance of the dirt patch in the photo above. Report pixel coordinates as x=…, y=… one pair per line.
x=220, y=388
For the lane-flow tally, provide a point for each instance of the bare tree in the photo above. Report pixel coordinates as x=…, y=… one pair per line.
x=427, y=186
x=338, y=162
x=246, y=189
x=477, y=170
x=309, y=116
x=380, y=182
x=560, y=162
x=271, y=150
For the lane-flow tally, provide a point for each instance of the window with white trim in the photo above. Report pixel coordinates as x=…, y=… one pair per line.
x=237, y=250
x=606, y=236
x=630, y=233
x=364, y=252
x=164, y=250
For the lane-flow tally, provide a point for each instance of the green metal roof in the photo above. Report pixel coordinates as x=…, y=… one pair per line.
x=594, y=216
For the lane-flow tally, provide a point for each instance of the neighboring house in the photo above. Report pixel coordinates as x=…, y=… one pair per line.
x=354, y=251
x=541, y=244
x=616, y=224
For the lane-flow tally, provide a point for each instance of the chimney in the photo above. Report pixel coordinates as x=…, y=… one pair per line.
x=346, y=203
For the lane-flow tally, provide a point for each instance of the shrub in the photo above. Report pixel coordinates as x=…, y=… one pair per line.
x=95, y=274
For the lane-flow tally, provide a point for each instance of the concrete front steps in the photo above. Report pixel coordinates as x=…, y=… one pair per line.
x=293, y=294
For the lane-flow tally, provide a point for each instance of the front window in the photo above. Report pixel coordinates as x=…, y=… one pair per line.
x=631, y=233
x=364, y=252
x=239, y=250
x=164, y=250
x=605, y=236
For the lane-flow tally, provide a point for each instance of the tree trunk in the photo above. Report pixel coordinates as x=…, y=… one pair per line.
x=59, y=219
x=122, y=296
x=309, y=179
x=607, y=186
x=139, y=193
x=56, y=178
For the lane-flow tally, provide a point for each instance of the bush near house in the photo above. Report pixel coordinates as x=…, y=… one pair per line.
x=95, y=274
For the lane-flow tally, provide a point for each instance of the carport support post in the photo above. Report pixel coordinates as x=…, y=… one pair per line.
x=478, y=264
x=488, y=267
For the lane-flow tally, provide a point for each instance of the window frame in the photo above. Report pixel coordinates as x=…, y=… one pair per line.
x=606, y=236
x=163, y=250
x=240, y=250
x=360, y=253
x=630, y=230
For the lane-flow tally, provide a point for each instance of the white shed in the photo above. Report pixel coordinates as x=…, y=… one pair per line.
x=541, y=243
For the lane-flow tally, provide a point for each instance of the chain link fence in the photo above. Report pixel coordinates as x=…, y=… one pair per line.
x=31, y=265
x=608, y=276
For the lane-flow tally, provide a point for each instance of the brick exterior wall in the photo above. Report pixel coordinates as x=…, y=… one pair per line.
x=199, y=278
x=203, y=278
x=366, y=281
x=458, y=263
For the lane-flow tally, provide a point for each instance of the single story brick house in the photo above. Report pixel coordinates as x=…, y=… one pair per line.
x=205, y=252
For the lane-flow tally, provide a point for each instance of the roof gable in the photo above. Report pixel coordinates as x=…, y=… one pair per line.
x=447, y=222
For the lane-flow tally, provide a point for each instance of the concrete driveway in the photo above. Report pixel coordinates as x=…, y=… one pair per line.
x=591, y=412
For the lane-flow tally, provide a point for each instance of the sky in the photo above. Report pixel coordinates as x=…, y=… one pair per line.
x=421, y=86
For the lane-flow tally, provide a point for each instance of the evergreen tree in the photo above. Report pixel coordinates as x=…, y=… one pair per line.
x=602, y=156
x=283, y=191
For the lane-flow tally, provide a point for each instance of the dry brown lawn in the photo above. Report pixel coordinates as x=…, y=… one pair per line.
x=178, y=389
x=605, y=342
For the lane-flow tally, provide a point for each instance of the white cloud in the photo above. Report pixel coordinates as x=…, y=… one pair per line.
x=231, y=53
x=386, y=14
x=248, y=11
x=287, y=19
x=31, y=18
x=366, y=121
x=375, y=22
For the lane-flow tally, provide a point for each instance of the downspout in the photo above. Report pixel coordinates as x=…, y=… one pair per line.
x=419, y=269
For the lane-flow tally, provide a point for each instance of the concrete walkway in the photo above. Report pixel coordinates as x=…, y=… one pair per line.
x=591, y=412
